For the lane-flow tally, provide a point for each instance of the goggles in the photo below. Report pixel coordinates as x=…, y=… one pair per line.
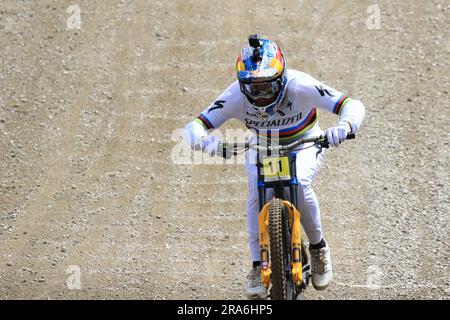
x=262, y=90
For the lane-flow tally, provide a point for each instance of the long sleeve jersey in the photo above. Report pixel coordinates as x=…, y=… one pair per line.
x=296, y=117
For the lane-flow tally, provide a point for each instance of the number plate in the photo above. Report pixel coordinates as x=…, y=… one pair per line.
x=276, y=168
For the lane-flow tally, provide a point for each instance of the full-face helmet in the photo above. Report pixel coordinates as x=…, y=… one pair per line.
x=261, y=71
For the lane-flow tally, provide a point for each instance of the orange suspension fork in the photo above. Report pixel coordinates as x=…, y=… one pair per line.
x=263, y=222
x=296, y=244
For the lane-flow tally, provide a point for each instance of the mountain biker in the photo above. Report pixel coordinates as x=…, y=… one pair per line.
x=273, y=101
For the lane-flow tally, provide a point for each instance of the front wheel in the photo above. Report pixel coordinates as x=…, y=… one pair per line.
x=280, y=252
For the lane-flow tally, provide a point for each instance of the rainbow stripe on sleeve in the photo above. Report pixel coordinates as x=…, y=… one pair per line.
x=204, y=122
x=340, y=105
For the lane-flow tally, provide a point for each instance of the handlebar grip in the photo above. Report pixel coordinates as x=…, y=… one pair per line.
x=351, y=136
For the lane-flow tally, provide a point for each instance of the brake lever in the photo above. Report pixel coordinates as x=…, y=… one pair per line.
x=319, y=151
x=227, y=150
x=323, y=142
x=224, y=151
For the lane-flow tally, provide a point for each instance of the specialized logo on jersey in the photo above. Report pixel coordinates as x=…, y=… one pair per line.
x=322, y=91
x=273, y=123
x=203, y=120
x=287, y=135
x=289, y=105
x=217, y=105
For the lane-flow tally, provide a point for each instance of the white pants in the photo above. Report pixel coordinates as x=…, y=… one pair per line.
x=308, y=164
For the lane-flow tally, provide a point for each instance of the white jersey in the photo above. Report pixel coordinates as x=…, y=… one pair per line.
x=296, y=116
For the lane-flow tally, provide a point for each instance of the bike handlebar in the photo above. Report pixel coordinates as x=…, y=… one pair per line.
x=322, y=141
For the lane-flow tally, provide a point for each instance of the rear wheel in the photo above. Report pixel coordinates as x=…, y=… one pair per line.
x=280, y=256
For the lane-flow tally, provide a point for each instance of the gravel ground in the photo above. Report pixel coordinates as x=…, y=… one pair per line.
x=88, y=188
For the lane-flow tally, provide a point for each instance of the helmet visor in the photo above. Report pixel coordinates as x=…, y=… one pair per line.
x=262, y=90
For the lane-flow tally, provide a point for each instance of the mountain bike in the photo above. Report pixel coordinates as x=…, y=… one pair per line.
x=285, y=267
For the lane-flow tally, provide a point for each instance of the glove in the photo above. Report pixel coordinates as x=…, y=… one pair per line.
x=336, y=135
x=214, y=147
x=210, y=145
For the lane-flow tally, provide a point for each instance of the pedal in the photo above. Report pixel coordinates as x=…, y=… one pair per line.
x=307, y=279
x=306, y=276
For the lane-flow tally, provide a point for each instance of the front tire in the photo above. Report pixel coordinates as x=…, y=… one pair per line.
x=279, y=233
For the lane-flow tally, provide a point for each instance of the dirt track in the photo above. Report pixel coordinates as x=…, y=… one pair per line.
x=86, y=119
